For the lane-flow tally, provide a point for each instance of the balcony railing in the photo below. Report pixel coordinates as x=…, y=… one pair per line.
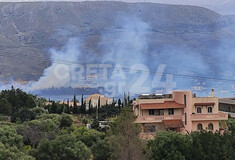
x=194, y=117
x=212, y=116
x=152, y=119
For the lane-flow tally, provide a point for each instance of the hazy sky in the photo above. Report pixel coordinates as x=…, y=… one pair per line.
x=220, y=6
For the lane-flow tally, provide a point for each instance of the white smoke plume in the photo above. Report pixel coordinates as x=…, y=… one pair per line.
x=128, y=50
x=58, y=74
x=128, y=53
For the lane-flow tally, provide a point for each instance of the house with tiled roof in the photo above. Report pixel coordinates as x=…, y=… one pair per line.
x=180, y=111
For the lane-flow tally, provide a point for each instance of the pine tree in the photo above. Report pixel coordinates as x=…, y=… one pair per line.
x=119, y=103
x=125, y=142
x=89, y=107
x=82, y=103
x=75, y=107
x=128, y=99
x=99, y=102
x=53, y=107
x=74, y=101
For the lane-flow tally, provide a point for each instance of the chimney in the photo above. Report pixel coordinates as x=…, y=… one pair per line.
x=212, y=93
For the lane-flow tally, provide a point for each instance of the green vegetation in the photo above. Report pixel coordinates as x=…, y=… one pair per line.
x=62, y=147
x=195, y=146
x=31, y=130
x=170, y=146
x=53, y=131
x=124, y=140
x=11, y=144
x=15, y=102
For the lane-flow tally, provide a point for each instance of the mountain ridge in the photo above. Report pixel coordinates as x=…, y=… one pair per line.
x=29, y=29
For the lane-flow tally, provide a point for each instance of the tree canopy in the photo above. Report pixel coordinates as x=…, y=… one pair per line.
x=54, y=132
x=61, y=148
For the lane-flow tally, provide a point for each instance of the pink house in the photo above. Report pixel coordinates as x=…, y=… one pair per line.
x=180, y=111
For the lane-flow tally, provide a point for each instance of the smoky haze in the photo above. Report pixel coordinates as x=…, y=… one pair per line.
x=188, y=47
x=133, y=68
x=58, y=74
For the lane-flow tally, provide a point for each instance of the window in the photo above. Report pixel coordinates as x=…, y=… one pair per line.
x=210, y=126
x=157, y=112
x=199, y=126
x=151, y=112
x=161, y=111
x=199, y=110
x=185, y=101
x=185, y=116
x=149, y=128
x=209, y=109
x=170, y=111
x=229, y=109
x=152, y=128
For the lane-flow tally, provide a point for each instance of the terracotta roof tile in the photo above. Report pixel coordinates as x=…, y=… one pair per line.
x=205, y=104
x=166, y=104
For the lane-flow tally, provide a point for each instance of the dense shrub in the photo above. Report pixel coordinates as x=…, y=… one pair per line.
x=61, y=148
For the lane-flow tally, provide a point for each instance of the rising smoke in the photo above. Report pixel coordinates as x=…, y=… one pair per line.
x=126, y=54
x=58, y=74
x=133, y=63
x=133, y=68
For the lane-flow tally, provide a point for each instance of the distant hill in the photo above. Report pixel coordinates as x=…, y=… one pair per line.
x=29, y=30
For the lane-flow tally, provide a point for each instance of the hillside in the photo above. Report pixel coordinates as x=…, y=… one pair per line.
x=29, y=30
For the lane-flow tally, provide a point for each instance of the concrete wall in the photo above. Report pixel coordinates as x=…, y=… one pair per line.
x=204, y=109
x=215, y=108
x=179, y=98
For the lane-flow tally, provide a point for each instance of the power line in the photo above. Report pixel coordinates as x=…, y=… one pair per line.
x=153, y=73
x=128, y=69
x=69, y=62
